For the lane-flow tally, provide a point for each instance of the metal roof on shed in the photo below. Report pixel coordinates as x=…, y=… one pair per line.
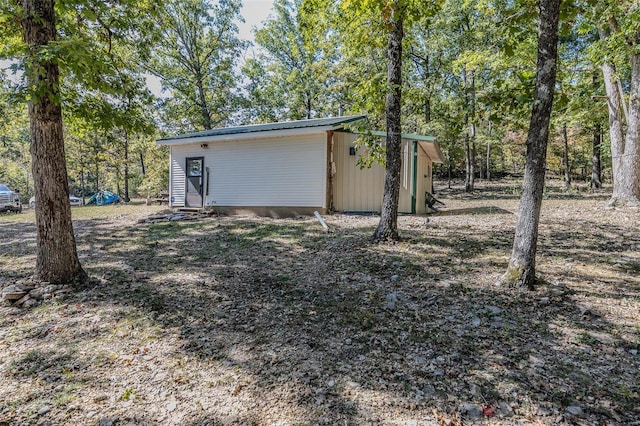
x=268, y=127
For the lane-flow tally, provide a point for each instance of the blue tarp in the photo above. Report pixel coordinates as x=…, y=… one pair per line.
x=102, y=198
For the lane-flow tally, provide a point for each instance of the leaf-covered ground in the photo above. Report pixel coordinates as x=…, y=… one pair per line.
x=236, y=320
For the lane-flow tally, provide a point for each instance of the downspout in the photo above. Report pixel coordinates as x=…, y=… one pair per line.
x=414, y=177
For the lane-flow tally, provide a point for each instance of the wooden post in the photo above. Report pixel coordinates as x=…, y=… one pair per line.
x=329, y=194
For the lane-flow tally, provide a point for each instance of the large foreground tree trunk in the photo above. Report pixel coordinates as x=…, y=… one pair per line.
x=521, y=269
x=626, y=180
x=57, y=259
x=388, y=225
x=625, y=149
x=630, y=186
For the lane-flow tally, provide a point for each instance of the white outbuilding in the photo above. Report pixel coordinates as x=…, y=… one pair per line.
x=290, y=168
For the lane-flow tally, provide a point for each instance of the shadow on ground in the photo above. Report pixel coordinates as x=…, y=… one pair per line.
x=266, y=321
x=484, y=210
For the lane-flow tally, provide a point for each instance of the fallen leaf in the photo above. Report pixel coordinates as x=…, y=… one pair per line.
x=488, y=411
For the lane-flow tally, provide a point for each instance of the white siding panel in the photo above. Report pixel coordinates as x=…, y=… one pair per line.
x=269, y=172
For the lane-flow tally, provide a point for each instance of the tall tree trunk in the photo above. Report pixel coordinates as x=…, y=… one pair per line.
x=467, y=164
x=629, y=188
x=488, y=159
x=388, y=225
x=616, y=129
x=596, y=168
x=97, y=150
x=487, y=174
x=470, y=129
x=449, y=168
x=97, y=172
x=57, y=258
x=82, y=185
x=625, y=149
x=467, y=145
x=126, y=168
x=472, y=134
x=427, y=110
x=142, y=167
x=205, y=113
x=565, y=157
x=521, y=269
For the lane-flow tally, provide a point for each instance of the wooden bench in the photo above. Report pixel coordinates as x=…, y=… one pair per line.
x=162, y=199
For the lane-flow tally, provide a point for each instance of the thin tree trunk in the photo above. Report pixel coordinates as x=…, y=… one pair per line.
x=596, y=169
x=126, y=168
x=427, y=111
x=467, y=145
x=142, y=167
x=472, y=165
x=467, y=164
x=488, y=160
x=472, y=134
x=205, y=113
x=82, y=185
x=488, y=163
x=449, y=171
x=56, y=255
x=97, y=173
x=565, y=157
x=388, y=225
x=521, y=269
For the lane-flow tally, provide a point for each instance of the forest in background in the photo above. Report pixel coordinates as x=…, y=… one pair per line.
x=468, y=77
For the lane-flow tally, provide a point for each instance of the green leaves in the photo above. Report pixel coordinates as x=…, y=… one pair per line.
x=297, y=61
x=195, y=62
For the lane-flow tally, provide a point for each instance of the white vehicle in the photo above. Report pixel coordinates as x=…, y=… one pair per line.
x=73, y=200
x=9, y=200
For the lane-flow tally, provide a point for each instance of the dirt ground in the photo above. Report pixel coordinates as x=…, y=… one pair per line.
x=257, y=321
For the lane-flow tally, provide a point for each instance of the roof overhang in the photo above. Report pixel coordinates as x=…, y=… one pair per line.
x=248, y=136
x=428, y=144
x=433, y=150
x=263, y=131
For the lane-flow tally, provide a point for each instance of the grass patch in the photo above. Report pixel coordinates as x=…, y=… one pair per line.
x=128, y=394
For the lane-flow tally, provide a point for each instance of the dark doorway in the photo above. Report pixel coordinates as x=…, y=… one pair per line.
x=195, y=175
